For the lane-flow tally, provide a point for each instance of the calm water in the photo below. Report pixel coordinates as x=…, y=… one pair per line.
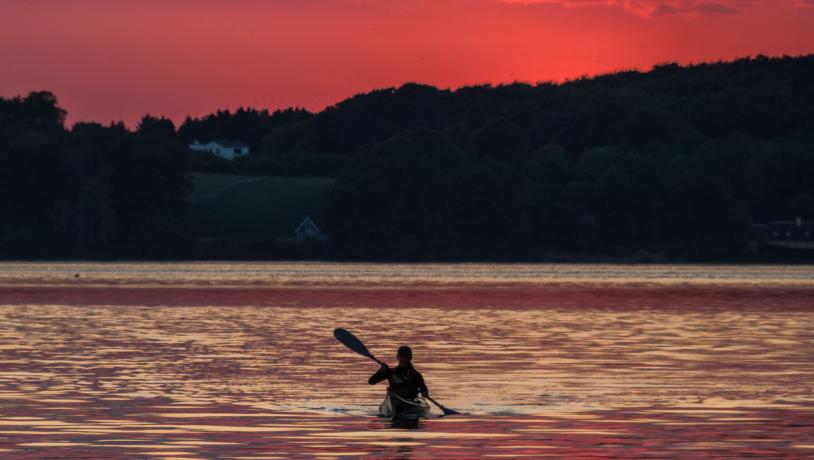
x=238, y=361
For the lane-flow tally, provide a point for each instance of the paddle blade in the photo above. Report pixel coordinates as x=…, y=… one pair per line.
x=445, y=410
x=350, y=341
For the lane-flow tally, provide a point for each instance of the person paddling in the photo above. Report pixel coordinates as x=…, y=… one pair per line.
x=353, y=342
x=404, y=381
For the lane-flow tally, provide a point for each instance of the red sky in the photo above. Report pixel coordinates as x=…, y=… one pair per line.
x=119, y=59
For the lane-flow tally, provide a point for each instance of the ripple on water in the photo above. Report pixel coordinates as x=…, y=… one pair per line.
x=659, y=374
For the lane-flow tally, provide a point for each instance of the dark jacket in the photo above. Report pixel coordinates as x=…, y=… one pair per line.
x=404, y=381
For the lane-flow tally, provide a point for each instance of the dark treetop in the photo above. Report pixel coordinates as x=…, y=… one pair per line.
x=674, y=162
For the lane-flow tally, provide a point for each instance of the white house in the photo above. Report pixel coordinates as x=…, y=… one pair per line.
x=224, y=149
x=308, y=230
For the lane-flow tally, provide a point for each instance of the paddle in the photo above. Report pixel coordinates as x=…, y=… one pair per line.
x=349, y=340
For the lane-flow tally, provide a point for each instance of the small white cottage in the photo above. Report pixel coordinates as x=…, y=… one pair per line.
x=222, y=148
x=308, y=230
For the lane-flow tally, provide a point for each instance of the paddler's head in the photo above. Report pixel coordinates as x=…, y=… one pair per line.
x=405, y=356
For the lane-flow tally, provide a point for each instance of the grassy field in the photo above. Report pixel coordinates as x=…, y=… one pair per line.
x=205, y=183
x=253, y=207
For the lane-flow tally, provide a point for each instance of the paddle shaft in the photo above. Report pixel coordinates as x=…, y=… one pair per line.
x=443, y=409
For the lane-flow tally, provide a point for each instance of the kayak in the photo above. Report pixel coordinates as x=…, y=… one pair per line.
x=394, y=406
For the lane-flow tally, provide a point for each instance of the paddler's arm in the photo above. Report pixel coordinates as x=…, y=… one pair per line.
x=380, y=375
x=422, y=387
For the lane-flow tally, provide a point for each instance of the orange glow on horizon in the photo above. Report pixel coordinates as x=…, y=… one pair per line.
x=119, y=60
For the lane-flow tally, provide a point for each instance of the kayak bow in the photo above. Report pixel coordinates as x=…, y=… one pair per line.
x=397, y=407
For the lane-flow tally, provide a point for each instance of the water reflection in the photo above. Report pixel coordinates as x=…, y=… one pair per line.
x=258, y=380
x=326, y=274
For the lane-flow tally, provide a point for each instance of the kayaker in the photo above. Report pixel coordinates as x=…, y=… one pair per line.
x=404, y=380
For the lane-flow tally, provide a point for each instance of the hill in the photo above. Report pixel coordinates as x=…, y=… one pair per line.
x=677, y=163
x=253, y=207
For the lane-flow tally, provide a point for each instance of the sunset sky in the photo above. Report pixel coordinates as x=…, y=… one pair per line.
x=119, y=59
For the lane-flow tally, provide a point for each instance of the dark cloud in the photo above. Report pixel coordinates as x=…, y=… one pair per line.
x=679, y=7
x=663, y=10
x=713, y=8
x=659, y=8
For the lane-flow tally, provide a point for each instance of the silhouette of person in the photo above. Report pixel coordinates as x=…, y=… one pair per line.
x=404, y=380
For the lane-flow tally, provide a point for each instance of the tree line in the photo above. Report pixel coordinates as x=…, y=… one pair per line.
x=671, y=163
x=89, y=192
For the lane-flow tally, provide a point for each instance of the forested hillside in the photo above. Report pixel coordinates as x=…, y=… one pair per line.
x=674, y=162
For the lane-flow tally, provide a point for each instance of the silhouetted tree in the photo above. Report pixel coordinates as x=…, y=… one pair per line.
x=676, y=161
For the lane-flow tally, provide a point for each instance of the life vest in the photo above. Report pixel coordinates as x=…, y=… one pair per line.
x=395, y=379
